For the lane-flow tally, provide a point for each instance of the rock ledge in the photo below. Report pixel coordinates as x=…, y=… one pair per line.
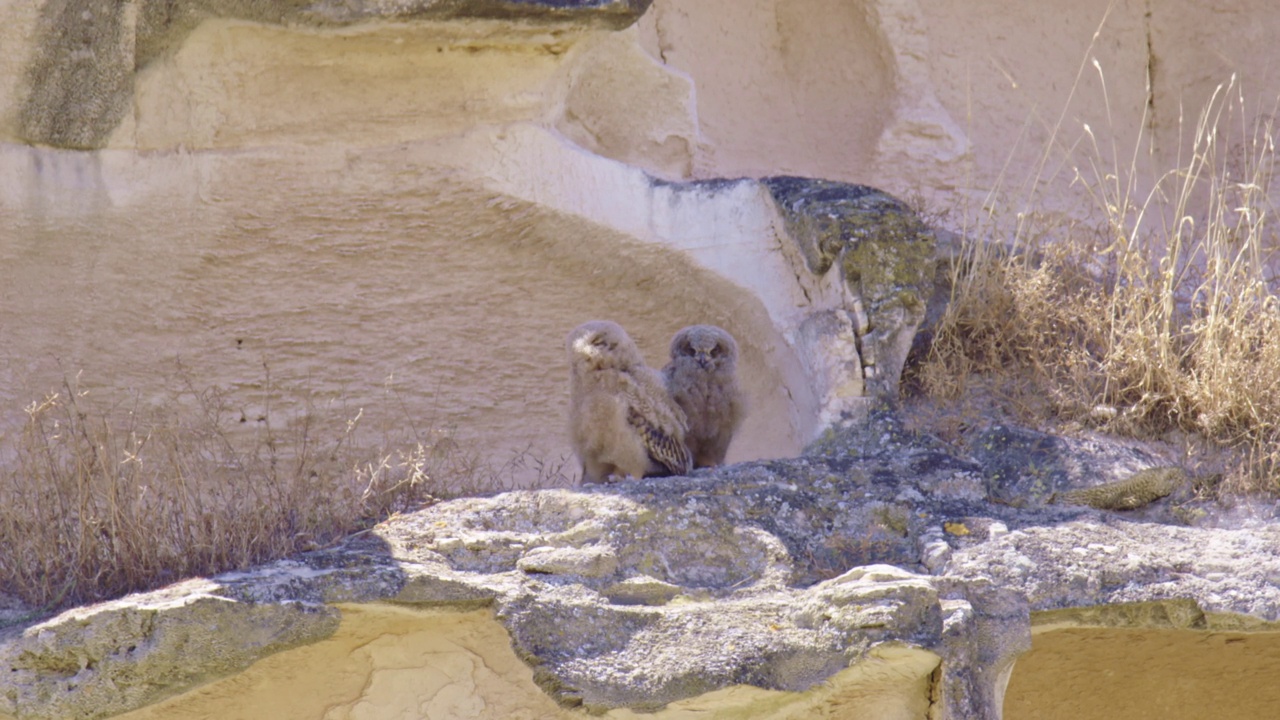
x=778, y=575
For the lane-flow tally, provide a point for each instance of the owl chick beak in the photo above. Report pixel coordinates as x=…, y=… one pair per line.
x=703, y=358
x=583, y=346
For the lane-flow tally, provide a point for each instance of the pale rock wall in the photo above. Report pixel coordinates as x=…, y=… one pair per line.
x=377, y=217
x=652, y=125
x=783, y=87
x=312, y=192
x=954, y=99
x=309, y=273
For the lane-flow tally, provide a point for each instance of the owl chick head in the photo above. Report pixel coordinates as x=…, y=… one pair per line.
x=712, y=348
x=600, y=345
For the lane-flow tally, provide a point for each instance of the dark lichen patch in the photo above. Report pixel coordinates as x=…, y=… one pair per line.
x=709, y=186
x=885, y=253
x=80, y=81
x=610, y=14
x=826, y=218
x=933, y=461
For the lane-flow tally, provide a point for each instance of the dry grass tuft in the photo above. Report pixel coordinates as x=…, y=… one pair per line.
x=98, y=500
x=1163, y=318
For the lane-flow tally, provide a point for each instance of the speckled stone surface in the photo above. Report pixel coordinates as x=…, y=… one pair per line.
x=885, y=254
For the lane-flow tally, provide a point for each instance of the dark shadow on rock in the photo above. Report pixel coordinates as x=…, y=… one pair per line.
x=1024, y=467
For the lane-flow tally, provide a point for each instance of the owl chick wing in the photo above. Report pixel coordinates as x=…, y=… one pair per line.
x=659, y=421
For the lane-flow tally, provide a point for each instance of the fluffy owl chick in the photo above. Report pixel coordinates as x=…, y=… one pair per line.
x=702, y=379
x=622, y=422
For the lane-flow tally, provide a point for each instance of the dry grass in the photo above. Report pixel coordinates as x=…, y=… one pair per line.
x=1162, y=317
x=97, y=500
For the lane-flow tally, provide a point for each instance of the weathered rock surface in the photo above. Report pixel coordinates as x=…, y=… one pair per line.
x=472, y=233
x=338, y=168
x=114, y=657
x=878, y=546
x=885, y=255
x=82, y=76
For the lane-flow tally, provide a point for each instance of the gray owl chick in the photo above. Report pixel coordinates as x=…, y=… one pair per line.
x=622, y=422
x=702, y=379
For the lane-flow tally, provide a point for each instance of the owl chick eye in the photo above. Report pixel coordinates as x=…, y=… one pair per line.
x=715, y=351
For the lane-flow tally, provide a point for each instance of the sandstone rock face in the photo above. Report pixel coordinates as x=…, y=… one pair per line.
x=290, y=177
x=870, y=575
x=279, y=190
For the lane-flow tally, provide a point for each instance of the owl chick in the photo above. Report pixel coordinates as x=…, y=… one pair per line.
x=622, y=422
x=702, y=379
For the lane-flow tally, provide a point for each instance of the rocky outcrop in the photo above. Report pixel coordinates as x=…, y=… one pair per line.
x=877, y=549
x=114, y=658
x=884, y=253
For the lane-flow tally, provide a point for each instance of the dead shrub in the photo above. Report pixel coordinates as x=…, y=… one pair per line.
x=99, y=499
x=1165, y=317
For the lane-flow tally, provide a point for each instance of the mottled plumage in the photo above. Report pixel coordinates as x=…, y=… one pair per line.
x=702, y=379
x=621, y=420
